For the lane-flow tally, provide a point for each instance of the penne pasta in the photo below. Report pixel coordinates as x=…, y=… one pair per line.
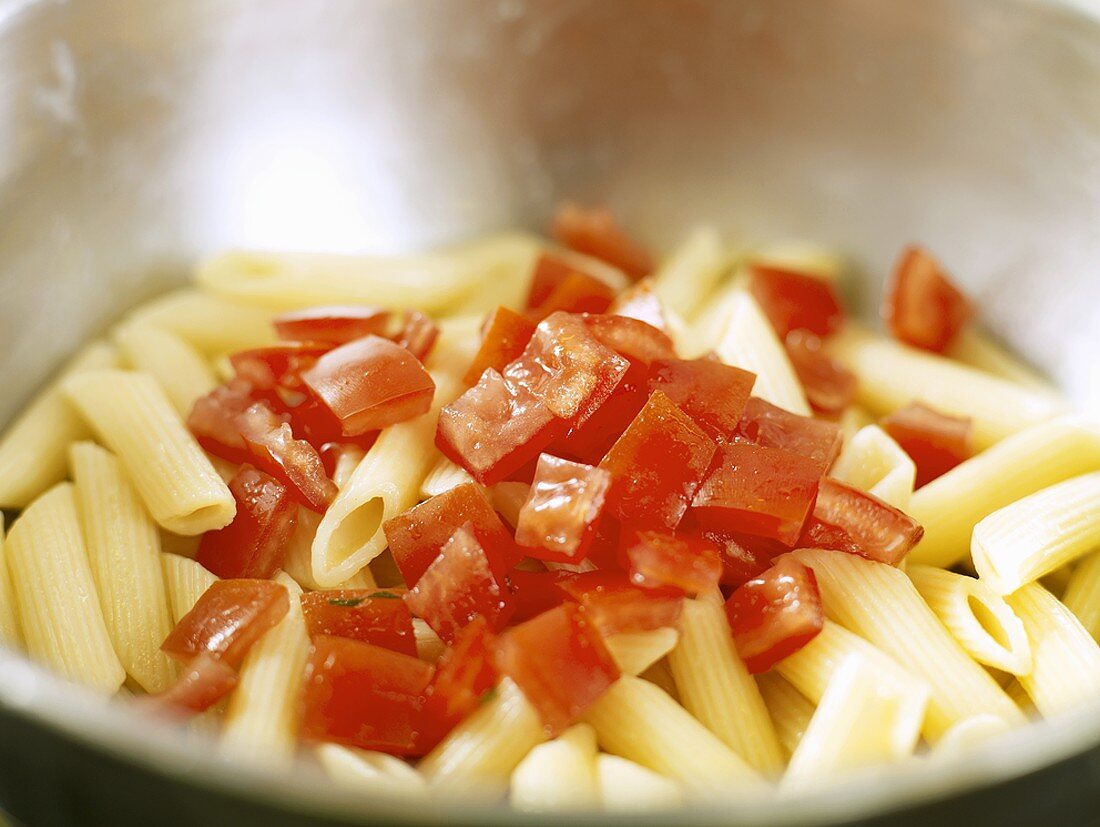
x=185, y=581
x=1082, y=594
x=801, y=257
x=691, y=272
x=508, y=498
x=209, y=324
x=789, y=709
x=11, y=633
x=444, y=476
x=635, y=652
x=871, y=460
x=429, y=646
x=660, y=674
x=124, y=552
x=969, y=733
x=559, y=774
x=180, y=369
x=629, y=787
x=132, y=415
x=973, y=347
x=298, y=562
x=371, y=772
x=59, y=610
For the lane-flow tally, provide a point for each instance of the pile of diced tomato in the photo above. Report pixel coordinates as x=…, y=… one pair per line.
x=653, y=479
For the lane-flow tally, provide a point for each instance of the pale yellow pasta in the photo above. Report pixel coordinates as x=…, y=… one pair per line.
x=880, y=604
x=444, y=476
x=789, y=709
x=371, y=772
x=132, y=415
x=949, y=507
x=638, y=721
x=11, y=633
x=346, y=463
x=660, y=674
x=691, y=272
x=1082, y=594
x=635, y=652
x=261, y=721
x=1033, y=536
x=181, y=370
x=298, y=562
x=969, y=733
x=976, y=616
x=627, y=787
x=478, y=756
x=58, y=606
x=973, y=347
x=559, y=774
x=852, y=420
x=124, y=551
x=429, y=646
x=1058, y=580
x=185, y=581
x=871, y=460
x=801, y=257
x=34, y=447
x=210, y=324
x=1065, y=669
x=508, y=498
x=891, y=375
x=718, y=690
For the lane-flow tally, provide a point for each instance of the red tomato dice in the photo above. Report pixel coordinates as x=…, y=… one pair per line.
x=660, y=559
x=550, y=272
x=594, y=232
x=558, y=520
x=371, y=383
x=203, y=682
x=657, y=465
x=254, y=544
x=417, y=335
x=711, y=393
x=577, y=292
x=213, y=419
x=375, y=616
x=560, y=662
x=742, y=558
x=418, y=535
x=923, y=307
x=590, y=441
x=365, y=696
x=616, y=605
x=293, y=462
x=935, y=441
x=332, y=324
x=771, y=426
x=846, y=518
x=829, y=386
x=774, y=615
x=760, y=491
x=505, y=336
x=230, y=616
x=279, y=366
x=794, y=301
x=641, y=302
x=638, y=341
x=463, y=675
x=459, y=586
x=534, y=592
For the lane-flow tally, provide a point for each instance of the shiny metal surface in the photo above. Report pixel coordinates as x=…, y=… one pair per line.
x=137, y=136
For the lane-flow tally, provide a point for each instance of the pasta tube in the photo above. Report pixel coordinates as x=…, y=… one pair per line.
x=559, y=774
x=973, y=347
x=185, y=582
x=629, y=787
x=1082, y=594
x=789, y=709
x=209, y=324
x=181, y=371
x=635, y=652
x=871, y=460
x=444, y=476
x=692, y=271
x=11, y=634
x=372, y=772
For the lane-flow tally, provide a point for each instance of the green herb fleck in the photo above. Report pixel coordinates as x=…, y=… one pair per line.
x=386, y=596
x=347, y=602
x=488, y=696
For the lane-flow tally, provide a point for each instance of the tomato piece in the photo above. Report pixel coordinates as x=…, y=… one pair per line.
x=550, y=273
x=505, y=336
x=293, y=462
x=641, y=302
x=657, y=465
x=794, y=301
x=332, y=324
x=656, y=559
x=560, y=662
x=758, y=490
x=577, y=292
x=373, y=616
x=829, y=386
x=254, y=544
x=459, y=586
x=534, y=592
x=463, y=675
x=558, y=521
x=594, y=232
x=771, y=426
x=371, y=383
x=365, y=696
x=417, y=536
x=636, y=340
x=711, y=393
x=923, y=307
x=418, y=334
x=774, y=615
x=935, y=441
x=849, y=519
x=203, y=682
x=213, y=419
x=617, y=605
x=230, y=616
x=279, y=366
x=742, y=558
x=590, y=441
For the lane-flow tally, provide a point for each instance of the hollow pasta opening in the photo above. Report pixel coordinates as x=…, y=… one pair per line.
x=989, y=621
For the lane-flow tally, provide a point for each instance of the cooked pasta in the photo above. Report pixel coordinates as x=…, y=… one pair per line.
x=1082, y=594
x=629, y=787
x=801, y=257
x=371, y=772
x=969, y=733
x=559, y=774
x=209, y=324
x=789, y=709
x=180, y=369
x=871, y=460
x=444, y=476
x=635, y=652
x=11, y=633
x=975, y=348
x=185, y=582
x=691, y=272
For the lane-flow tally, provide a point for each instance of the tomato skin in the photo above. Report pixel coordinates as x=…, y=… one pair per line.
x=505, y=336
x=376, y=616
x=418, y=335
x=794, y=301
x=332, y=324
x=254, y=544
x=848, y=519
x=923, y=307
x=769, y=425
x=741, y=557
x=577, y=292
x=711, y=393
x=641, y=302
x=660, y=559
x=278, y=366
x=657, y=465
x=213, y=419
x=203, y=682
x=534, y=592
x=558, y=521
x=560, y=662
x=615, y=604
x=829, y=386
x=774, y=615
x=466, y=671
x=589, y=442
x=632, y=338
x=365, y=696
x=935, y=441
x=229, y=617
x=293, y=462
x=594, y=232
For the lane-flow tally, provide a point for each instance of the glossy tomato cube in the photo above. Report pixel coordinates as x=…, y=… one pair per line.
x=829, y=386
x=213, y=419
x=589, y=442
x=418, y=334
x=615, y=604
x=846, y=518
x=774, y=615
x=278, y=366
x=560, y=662
x=935, y=441
x=638, y=341
x=293, y=462
x=923, y=307
x=534, y=592
x=711, y=393
x=549, y=272
x=661, y=559
x=254, y=544
x=795, y=301
x=373, y=616
x=577, y=292
x=464, y=674
x=203, y=682
x=594, y=232
x=332, y=324
x=558, y=521
x=504, y=338
x=742, y=557
x=641, y=302
x=769, y=425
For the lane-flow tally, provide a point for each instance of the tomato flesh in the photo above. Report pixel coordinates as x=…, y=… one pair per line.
x=794, y=301
x=558, y=520
x=463, y=675
x=279, y=366
x=333, y=324
x=656, y=559
x=711, y=393
x=373, y=616
x=846, y=518
x=935, y=441
x=742, y=557
x=774, y=615
x=642, y=303
x=594, y=232
x=213, y=419
x=638, y=341
x=418, y=335
x=534, y=592
x=589, y=442
x=829, y=386
x=615, y=604
x=550, y=272
x=769, y=425
x=203, y=682
x=923, y=307
x=577, y=292
x=505, y=336
x=293, y=462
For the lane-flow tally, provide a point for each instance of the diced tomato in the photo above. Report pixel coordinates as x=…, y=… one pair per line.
x=771, y=426
x=636, y=340
x=373, y=616
x=656, y=559
x=594, y=232
x=505, y=336
x=213, y=419
x=550, y=273
x=577, y=292
x=774, y=615
x=254, y=544
x=846, y=518
x=711, y=393
x=560, y=662
x=559, y=518
x=616, y=605
x=459, y=586
x=593, y=439
x=203, y=682
x=829, y=386
x=534, y=592
x=371, y=383
x=935, y=441
x=417, y=335
x=333, y=324
x=293, y=462
x=657, y=465
x=463, y=675
x=923, y=307
x=279, y=366
x=230, y=616
x=758, y=490
x=742, y=558
x=417, y=536
x=794, y=301
x=365, y=696
x=641, y=302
